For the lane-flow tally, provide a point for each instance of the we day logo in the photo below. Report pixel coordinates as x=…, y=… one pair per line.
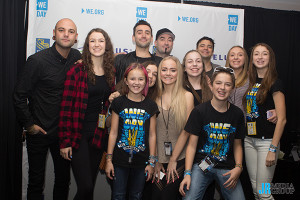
x=233, y=21
x=141, y=13
x=41, y=8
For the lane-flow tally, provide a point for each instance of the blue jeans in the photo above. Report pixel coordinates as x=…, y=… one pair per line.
x=132, y=179
x=200, y=181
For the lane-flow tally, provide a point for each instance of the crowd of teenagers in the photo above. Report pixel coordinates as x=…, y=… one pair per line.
x=160, y=129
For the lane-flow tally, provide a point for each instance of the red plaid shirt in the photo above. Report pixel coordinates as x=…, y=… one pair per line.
x=73, y=107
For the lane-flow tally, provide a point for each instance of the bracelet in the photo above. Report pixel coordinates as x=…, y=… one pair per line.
x=187, y=172
x=272, y=150
x=239, y=165
x=153, y=159
x=273, y=147
x=109, y=156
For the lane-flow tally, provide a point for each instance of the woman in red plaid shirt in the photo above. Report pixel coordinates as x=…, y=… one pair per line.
x=83, y=108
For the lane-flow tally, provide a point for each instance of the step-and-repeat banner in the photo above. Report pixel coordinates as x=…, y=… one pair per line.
x=117, y=17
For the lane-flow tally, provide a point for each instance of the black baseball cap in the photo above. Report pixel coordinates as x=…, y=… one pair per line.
x=164, y=31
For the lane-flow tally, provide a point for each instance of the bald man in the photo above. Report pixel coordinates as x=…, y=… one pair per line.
x=37, y=99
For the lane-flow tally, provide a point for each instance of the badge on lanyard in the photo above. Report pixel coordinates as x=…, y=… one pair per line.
x=251, y=126
x=168, y=148
x=207, y=163
x=101, y=121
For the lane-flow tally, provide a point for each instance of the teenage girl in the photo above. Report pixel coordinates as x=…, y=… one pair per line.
x=195, y=80
x=85, y=98
x=265, y=92
x=132, y=139
x=175, y=105
x=214, y=151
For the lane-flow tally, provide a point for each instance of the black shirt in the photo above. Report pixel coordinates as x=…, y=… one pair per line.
x=258, y=112
x=41, y=85
x=216, y=132
x=133, y=132
x=122, y=61
x=97, y=96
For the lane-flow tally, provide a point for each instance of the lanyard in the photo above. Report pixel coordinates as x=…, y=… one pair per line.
x=165, y=122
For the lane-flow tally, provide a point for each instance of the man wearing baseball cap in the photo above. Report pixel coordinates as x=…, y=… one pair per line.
x=164, y=42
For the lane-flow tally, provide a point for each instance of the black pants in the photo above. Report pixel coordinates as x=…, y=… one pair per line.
x=37, y=148
x=85, y=166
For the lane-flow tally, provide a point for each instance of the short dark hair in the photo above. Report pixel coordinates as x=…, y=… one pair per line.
x=206, y=38
x=141, y=22
x=224, y=70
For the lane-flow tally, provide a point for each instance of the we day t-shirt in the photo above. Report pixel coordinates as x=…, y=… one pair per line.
x=216, y=132
x=132, y=143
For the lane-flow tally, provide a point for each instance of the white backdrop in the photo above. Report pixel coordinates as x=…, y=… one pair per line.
x=188, y=22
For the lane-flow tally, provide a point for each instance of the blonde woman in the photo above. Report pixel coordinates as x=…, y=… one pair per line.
x=175, y=105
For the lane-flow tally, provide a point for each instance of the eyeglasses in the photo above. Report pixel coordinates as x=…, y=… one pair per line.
x=224, y=69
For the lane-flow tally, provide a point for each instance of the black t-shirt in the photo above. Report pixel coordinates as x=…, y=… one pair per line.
x=258, y=112
x=98, y=94
x=216, y=132
x=133, y=131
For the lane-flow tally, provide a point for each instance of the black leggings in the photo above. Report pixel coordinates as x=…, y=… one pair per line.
x=85, y=166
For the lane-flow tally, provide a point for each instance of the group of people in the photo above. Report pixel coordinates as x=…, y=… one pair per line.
x=166, y=129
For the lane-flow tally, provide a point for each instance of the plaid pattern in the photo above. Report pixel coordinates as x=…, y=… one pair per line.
x=73, y=107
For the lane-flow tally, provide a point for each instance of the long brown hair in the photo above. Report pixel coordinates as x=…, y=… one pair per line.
x=206, y=92
x=243, y=76
x=269, y=78
x=108, y=58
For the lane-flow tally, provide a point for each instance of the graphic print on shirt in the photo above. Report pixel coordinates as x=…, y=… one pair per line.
x=217, y=144
x=252, y=108
x=133, y=133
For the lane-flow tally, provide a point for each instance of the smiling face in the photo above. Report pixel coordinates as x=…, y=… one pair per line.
x=205, y=48
x=193, y=64
x=142, y=36
x=236, y=58
x=97, y=44
x=65, y=33
x=222, y=86
x=136, y=81
x=152, y=74
x=261, y=57
x=169, y=72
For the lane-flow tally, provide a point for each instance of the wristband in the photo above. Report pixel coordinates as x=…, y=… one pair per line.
x=239, y=165
x=273, y=147
x=187, y=172
x=109, y=156
x=272, y=150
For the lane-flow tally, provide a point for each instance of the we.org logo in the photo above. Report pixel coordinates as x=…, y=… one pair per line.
x=42, y=43
x=141, y=13
x=41, y=8
x=233, y=21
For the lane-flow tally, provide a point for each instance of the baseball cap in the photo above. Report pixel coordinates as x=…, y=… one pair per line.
x=164, y=31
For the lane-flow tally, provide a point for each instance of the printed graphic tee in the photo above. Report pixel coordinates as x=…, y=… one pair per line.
x=132, y=145
x=216, y=132
x=258, y=112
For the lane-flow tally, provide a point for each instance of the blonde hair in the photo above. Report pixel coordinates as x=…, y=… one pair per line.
x=178, y=100
x=243, y=76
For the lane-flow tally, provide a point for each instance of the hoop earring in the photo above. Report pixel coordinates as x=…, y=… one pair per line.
x=75, y=41
x=53, y=37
